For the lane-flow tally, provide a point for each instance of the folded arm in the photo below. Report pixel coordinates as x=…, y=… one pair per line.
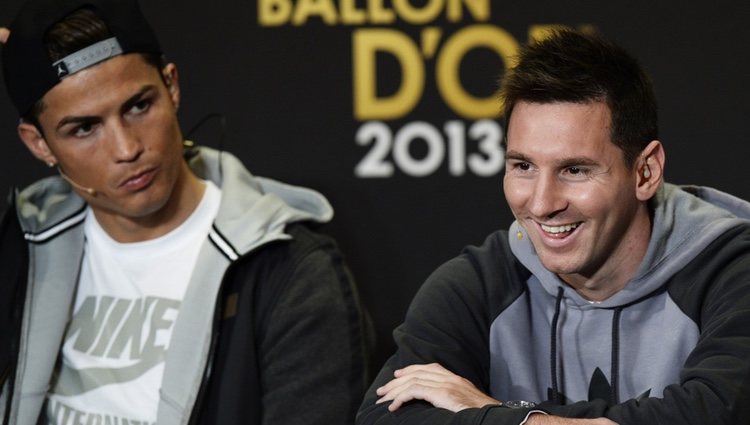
x=448, y=323
x=438, y=386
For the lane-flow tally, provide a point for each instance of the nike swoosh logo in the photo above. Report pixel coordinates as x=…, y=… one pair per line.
x=72, y=382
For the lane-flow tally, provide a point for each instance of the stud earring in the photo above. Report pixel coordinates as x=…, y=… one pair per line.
x=50, y=164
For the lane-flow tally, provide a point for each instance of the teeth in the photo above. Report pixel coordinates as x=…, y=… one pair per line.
x=559, y=229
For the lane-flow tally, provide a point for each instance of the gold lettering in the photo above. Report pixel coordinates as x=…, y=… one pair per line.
x=274, y=12
x=541, y=31
x=449, y=61
x=365, y=44
x=350, y=14
x=479, y=9
x=379, y=14
x=430, y=39
x=423, y=15
x=321, y=8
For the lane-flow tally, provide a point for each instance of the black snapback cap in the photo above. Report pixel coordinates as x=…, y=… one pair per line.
x=30, y=74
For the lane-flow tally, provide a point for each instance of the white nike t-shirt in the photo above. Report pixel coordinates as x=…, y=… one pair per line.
x=128, y=300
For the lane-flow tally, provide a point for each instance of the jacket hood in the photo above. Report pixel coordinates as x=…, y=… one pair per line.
x=254, y=210
x=673, y=242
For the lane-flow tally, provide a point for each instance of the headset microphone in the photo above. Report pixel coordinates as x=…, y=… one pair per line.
x=88, y=190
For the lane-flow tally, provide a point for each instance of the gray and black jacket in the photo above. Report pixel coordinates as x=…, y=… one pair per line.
x=672, y=347
x=270, y=330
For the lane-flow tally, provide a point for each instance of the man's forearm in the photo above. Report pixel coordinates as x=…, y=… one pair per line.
x=540, y=419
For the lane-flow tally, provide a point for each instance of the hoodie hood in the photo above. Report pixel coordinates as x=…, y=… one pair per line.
x=673, y=242
x=254, y=210
x=641, y=328
x=564, y=348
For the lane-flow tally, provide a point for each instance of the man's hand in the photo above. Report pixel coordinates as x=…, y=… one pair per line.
x=435, y=385
x=4, y=33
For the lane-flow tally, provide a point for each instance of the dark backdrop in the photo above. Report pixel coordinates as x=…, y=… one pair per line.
x=414, y=181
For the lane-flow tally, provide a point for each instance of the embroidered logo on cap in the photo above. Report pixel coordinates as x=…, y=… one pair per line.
x=62, y=70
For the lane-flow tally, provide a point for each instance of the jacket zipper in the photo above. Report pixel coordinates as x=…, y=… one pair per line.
x=218, y=312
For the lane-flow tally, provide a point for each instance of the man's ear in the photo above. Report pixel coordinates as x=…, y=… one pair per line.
x=649, y=168
x=35, y=142
x=172, y=80
x=4, y=34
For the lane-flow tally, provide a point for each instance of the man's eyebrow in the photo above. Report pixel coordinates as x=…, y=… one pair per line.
x=576, y=160
x=517, y=156
x=561, y=162
x=76, y=120
x=137, y=97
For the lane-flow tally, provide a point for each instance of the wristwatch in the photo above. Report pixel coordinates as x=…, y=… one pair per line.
x=518, y=404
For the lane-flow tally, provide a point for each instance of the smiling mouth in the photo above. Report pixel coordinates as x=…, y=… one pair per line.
x=556, y=230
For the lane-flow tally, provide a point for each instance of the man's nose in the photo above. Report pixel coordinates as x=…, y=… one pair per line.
x=125, y=143
x=548, y=196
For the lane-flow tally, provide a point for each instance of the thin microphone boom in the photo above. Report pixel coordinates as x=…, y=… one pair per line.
x=91, y=191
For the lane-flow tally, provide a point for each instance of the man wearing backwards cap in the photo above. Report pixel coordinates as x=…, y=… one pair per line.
x=152, y=282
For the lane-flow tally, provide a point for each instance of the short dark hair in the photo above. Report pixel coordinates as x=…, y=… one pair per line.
x=77, y=31
x=573, y=66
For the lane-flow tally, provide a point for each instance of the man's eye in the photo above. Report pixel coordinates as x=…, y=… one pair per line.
x=141, y=106
x=524, y=166
x=577, y=171
x=83, y=130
